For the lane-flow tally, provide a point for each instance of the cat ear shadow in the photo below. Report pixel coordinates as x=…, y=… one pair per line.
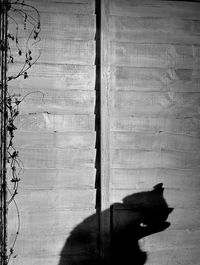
x=170, y=210
x=158, y=188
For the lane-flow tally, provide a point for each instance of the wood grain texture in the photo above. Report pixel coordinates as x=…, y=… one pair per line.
x=64, y=6
x=155, y=8
x=174, y=256
x=53, y=76
x=156, y=124
x=146, y=141
x=38, y=200
x=56, y=132
x=122, y=158
x=56, y=157
x=155, y=55
x=58, y=51
x=49, y=179
x=59, y=102
x=146, y=178
x=51, y=122
x=63, y=140
x=163, y=104
x=154, y=79
x=61, y=26
x=154, y=30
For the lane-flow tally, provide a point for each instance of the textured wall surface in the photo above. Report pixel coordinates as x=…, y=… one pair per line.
x=150, y=125
x=56, y=135
x=154, y=116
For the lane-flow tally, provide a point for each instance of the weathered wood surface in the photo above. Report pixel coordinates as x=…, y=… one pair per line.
x=174, y=256
x=54, y=76
x=59, y=102
x=155, y=8
x=154, y=29
x=52, y=123
x=60, y=26
x=56, y=157
x=64, y=6
x=155, y=55
x=154, y=141
x=56, y=132
x=155, y=79
x=144, y=178
x=58, y=51
x=156, y=124
x=62, y=140
x=41, y=199
x=155, y=103
x=49, y=179
x=122, y=158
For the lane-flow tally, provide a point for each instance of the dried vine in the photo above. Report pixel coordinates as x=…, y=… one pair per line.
x=21, y=17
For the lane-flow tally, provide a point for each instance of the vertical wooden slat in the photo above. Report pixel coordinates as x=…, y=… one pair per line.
x=105, y=127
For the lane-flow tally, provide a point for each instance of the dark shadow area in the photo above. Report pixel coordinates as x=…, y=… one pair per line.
x=139, y=215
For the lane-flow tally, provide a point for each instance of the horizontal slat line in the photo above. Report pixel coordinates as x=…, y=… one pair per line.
x=162, y=158
x=59, y=102
x=161, y=55
x=57, y=77
x=156, y=124
x=150, y=9
x=62, y=53
x=147, y=141
x=148, y=177
x=52, y=122
x=58, y=140
x=67, y=7
x=155, y=80
x=53, y=65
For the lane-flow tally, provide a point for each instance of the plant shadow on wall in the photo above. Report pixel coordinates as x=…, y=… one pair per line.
x=139, y=215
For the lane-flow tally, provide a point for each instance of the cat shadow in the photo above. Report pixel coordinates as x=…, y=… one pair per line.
x=139, y=215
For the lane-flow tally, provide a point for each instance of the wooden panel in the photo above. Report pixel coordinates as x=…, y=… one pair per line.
x=148, y=177
x=146, y=141
x=70, y=26
x=58, y=51
x=148, y=124
x=48, y=178
x=56, y=157
x=64, y=6
x=51, y=220
x=39, y=200
x=105, y=128
x=174, y=256
x=45, y=245
x=56, y=134
x=154, y=30
x=166, y=104
x=155, y=55
x=152, y=159
x=154, y=108
x=59, y=102
x=61, y=140
x=155, y=79
x=51, y=122
x=155, y=8
x=49, y=76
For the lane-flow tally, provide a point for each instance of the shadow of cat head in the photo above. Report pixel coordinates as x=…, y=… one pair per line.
x=137, y=216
